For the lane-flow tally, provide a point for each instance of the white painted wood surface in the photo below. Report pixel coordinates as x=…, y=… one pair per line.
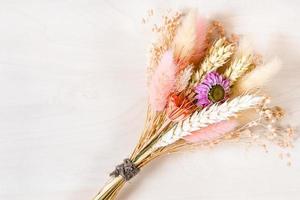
x=72, y=83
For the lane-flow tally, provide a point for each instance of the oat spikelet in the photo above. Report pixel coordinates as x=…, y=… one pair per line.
x=217, y=56
x=260, y=75
x=183, y=78
x=185, y=39
x=210, y=115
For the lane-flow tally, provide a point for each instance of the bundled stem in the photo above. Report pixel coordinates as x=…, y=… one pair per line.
x=111, y=189
x=160, y=141
x=142, y=155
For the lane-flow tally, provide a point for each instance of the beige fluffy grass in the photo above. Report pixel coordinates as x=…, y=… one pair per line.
x=185, y=39
x=260, y=75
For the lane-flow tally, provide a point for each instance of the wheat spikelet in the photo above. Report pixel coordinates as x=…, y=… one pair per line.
x=183, y=78
x=238, y=67
x=242, y=61
x=217, y=56
x=210, y=115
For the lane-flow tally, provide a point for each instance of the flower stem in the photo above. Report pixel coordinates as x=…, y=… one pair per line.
x=110, y=190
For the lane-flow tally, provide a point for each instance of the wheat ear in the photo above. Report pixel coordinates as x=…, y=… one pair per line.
x=217, y=56
x=238, y=67
x=210, y=115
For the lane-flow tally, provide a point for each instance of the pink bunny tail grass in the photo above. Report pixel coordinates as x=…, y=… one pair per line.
x=201, y=29
x=163, y=82
x=212, y=132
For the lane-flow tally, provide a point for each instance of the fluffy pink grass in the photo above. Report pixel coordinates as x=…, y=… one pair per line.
x=201, y=29
x=212, y=132
x=163, y=81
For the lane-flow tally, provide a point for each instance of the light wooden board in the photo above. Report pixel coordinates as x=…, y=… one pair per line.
x=72, y=84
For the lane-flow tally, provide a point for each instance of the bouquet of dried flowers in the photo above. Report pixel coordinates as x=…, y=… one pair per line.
x=205, y=87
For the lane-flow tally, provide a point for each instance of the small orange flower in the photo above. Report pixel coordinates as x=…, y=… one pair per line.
x=179, y=107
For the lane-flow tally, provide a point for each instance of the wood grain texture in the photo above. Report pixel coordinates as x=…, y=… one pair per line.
x=72, y=82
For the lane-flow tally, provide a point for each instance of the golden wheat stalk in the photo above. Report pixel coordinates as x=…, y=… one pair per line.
x=217, y=56
x=238, y=67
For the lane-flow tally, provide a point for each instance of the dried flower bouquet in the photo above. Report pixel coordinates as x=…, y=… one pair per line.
x=205, y=87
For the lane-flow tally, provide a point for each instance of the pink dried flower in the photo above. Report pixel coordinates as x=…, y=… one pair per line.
x=179, y=107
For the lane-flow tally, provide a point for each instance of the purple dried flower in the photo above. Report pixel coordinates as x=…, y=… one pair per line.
x=214, y=88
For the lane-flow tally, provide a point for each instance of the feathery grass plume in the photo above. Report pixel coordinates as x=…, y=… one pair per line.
x=185, y=38
x=163, y=82
x=212, y=132
x=241, y=63
x=218, y=55
x=201, y=29
x=260, y=75
x=209, y=115
x=183, y=78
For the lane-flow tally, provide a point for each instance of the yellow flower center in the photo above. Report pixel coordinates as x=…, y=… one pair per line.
x=216, y=93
